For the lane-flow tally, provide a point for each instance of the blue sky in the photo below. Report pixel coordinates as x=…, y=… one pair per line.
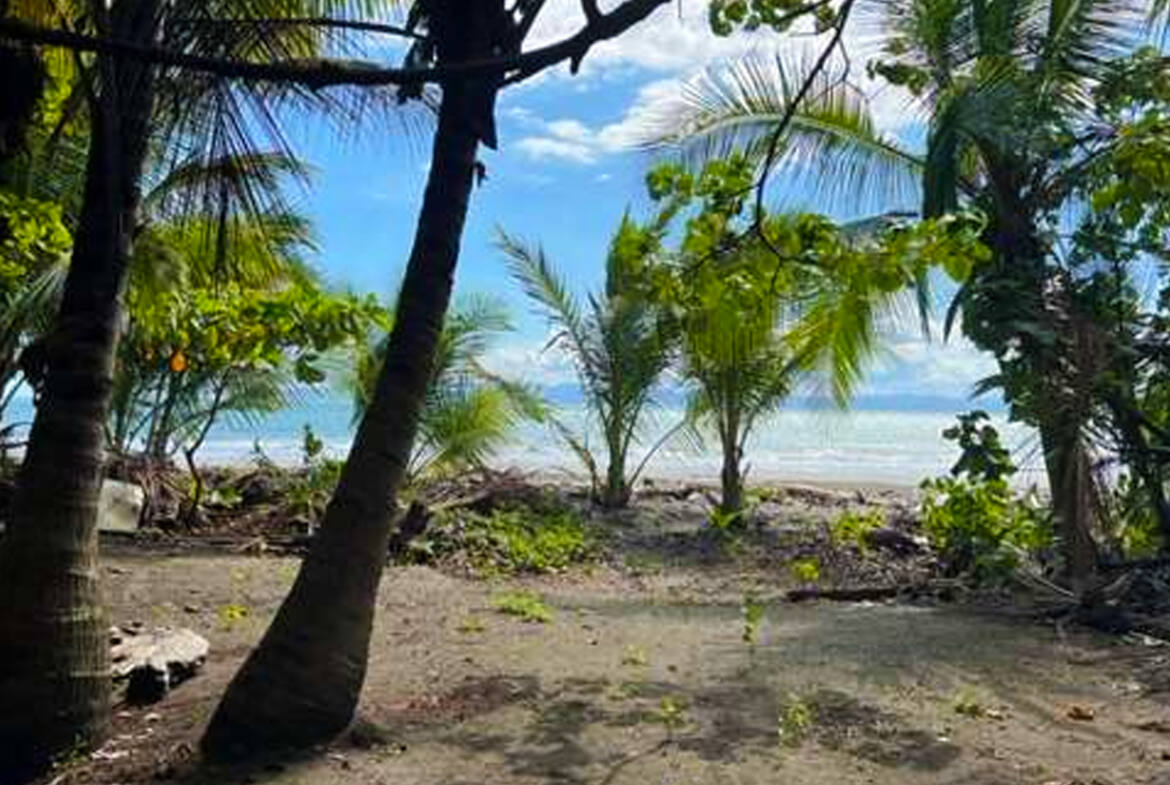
x=563, y=175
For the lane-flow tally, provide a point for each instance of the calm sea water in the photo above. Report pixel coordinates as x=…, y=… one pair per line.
x=895, y=447
x=857, y=447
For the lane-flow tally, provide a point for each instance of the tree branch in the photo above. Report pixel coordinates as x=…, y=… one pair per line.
x=786, y=120
x=322, y=22
x=317, y=74
x=591, y=11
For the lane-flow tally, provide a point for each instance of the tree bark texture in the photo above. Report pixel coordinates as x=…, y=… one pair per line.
x=301, y=684
x=1070, y=484
x=731, y=479
x=54, y=647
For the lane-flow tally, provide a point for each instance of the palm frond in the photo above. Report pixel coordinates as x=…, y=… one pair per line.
x=1081, y=36
x=462, y=427
x=832, y=139
x=263, y=251
x=531, y=268
x=30, y=309
x=195, y=187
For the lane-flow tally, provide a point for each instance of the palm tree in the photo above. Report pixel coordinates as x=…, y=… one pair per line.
x=1006, y=88
x=469, y=412
x=52, y=629
x=53, y=634
x=753, y=329
x=620, y=346
x=302, y=683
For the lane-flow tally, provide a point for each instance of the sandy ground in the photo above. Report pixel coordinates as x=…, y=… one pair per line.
x=464, y=695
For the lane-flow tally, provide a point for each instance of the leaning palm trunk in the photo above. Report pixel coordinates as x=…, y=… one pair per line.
x=301, y=685
x=55, y=684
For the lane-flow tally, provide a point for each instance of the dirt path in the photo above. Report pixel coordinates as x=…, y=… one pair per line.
x=642, y=680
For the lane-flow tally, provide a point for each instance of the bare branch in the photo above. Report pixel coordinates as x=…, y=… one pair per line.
x=321, y=22
x=591, y=11
x=317, y=74
x=786, y=120
x=529, y=10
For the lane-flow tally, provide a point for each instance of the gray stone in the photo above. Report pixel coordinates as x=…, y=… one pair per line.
x=898, y=542
x=154, y=662
x=119, y=506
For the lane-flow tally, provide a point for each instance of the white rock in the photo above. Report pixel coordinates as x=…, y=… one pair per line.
x=156, y=661
x=119, y=506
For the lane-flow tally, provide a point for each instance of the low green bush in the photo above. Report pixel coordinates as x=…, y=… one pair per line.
x=853, y=528
x=507, y=540
x=974, y=518
x=981, y=528
x=1130, y=522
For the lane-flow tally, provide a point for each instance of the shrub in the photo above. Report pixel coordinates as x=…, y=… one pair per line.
x=1132, y=526
x=806, y=570
x=981, y=528
x=853, y=528
x=795, y=721
x=508, y=540
x=974, y=518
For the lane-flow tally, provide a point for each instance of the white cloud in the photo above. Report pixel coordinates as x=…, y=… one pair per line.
x=571, y=140
x=527, y=360
x=676, y=42
x=673, y=39
x=909, y=363
x=541, y=148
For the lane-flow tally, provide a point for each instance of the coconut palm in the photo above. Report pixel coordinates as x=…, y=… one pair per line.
x=53, y=636
x=753, y=329
x=619, y=346
x=469, y=412
x=301, y=684
x=1006, y=89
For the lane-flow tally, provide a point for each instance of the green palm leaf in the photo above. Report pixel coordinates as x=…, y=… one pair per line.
x=832, y=137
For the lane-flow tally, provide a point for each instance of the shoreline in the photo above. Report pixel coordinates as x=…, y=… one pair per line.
x=647, y=484
x=667, y=483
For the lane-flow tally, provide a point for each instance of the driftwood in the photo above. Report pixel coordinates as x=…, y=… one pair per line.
x=154, y=662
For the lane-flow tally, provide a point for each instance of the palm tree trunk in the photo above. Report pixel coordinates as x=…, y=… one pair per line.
x=732, y=483
x=301, y=685
x=615, y=494
x=54, y=646
x=731, y=479
x=1070, y=484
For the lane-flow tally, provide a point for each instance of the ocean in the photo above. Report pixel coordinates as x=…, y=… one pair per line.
x=860, y=447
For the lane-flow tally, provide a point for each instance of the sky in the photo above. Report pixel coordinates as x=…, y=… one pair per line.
x=567, y=167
